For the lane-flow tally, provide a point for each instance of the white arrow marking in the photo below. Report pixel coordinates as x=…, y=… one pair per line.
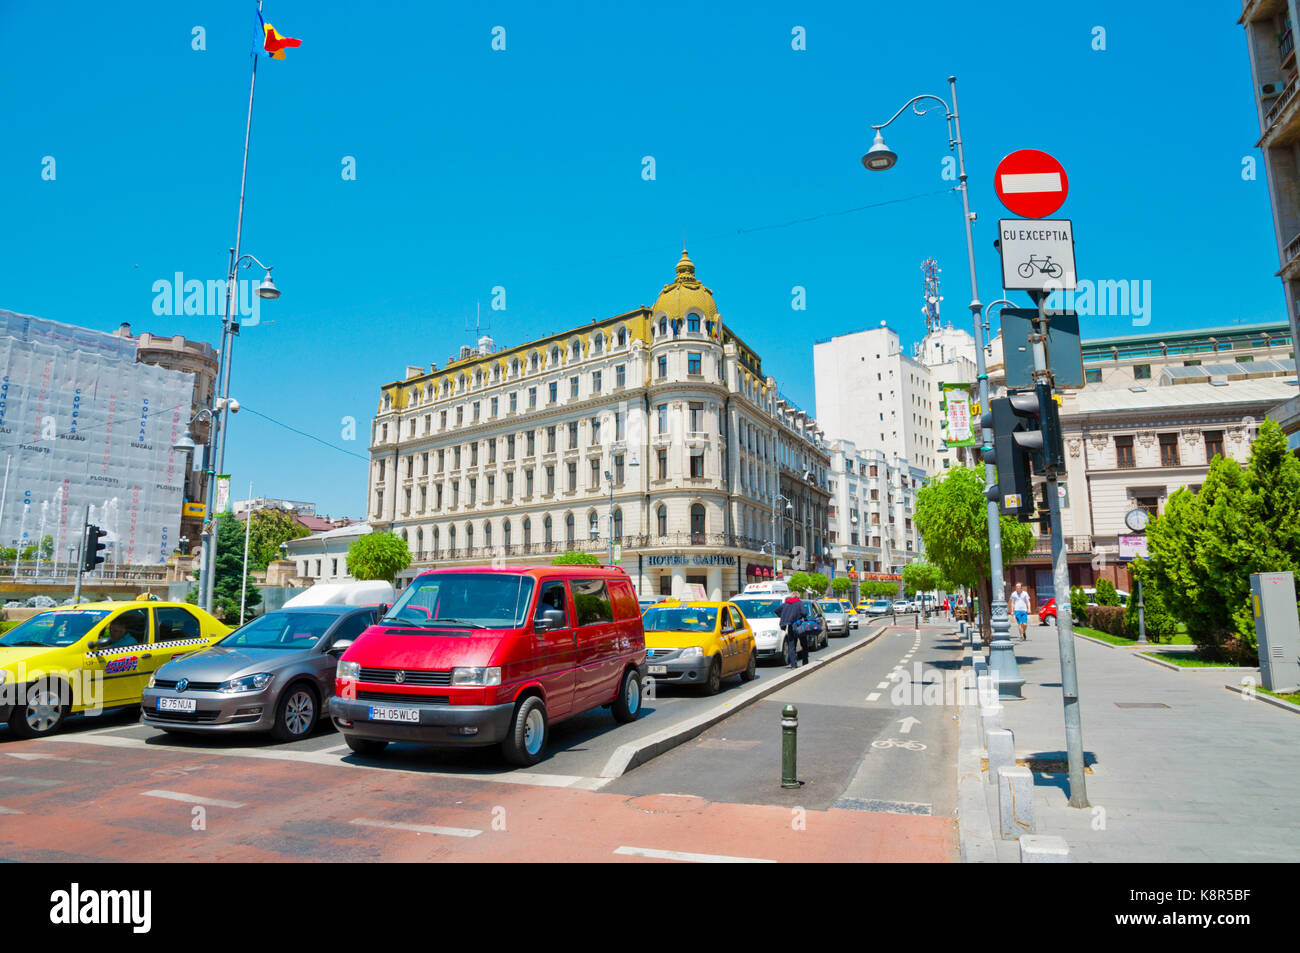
x=908, y=723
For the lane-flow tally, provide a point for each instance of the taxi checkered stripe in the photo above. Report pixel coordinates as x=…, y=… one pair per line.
x=147, y=647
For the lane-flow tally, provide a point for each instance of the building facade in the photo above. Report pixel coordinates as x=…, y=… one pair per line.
x=653, y=431
x=873, y=511
x=323, y=557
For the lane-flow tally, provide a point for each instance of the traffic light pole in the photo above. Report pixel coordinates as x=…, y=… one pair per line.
x=81, y=558
x=1061, y=587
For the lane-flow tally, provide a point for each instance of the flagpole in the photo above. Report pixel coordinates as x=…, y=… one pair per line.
x=219, y=417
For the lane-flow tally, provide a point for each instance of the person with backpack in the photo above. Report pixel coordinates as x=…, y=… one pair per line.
x=792, y=613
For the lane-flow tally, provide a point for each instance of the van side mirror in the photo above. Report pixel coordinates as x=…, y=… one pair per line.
x=549, y=619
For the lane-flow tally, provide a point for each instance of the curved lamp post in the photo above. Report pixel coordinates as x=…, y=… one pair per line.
x=879, y=158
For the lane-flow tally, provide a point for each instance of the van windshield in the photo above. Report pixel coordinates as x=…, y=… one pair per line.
x=759, y=608
x=464, y=600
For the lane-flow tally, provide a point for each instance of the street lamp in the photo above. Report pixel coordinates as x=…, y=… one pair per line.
x=1002, y=658
x=789, y=509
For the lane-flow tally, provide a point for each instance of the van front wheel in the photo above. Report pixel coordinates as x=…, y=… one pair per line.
x=627, y=705
x=528, y=730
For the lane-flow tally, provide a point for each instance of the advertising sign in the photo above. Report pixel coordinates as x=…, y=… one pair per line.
x=1132, y=547
x=958, y=431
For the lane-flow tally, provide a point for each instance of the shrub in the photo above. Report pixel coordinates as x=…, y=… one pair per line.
x=1078, y=605
x=1160, y=625
x=1108, y=619
x=1106, y=593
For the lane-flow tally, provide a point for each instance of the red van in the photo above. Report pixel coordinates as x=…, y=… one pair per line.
x=480, y=656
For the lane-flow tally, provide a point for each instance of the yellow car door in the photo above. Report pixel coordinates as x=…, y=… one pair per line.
x=119, y=655
x=744, y=636
x=727, y=641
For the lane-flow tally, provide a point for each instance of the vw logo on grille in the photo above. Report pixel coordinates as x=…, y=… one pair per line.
x=183, y=684
x=399, y=677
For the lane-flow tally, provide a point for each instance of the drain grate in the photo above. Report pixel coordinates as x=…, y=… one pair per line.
x=1141, y=705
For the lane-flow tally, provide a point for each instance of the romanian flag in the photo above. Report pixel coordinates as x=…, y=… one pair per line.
x=275, y=44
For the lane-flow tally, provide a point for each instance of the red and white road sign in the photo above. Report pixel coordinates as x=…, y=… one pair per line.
x=1031, y=183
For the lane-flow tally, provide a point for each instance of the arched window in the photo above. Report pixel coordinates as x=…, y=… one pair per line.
x=663, y=326
x=435, y=542
x=598, y=343
x=451, y=542
x=505, y=533
x=577, y=350
x=693, y=323
x=697, y=523
x=555, y=356
x=528, y=531
x=487, y=533
x=618, y=525
x=469, y=538
x=622, y=337
x=532, y=361
x=419, y=542
x=546, y=531
x=478, y=377
x=388, y=402
x=568, y=529
x=661, y=520
x=514, y=367
x=593, y=525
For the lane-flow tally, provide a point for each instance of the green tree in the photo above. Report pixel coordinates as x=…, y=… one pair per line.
x=576, y=559
x=270, y=528
x=1160, y=625
x=841, y=585
x=952, y=518
x=229, y=579
x=1204, y=547
x=818, y=583
x=799, y=582
x=920, y=576
x=879, y=589
x=378, y=556
x=1107, y=595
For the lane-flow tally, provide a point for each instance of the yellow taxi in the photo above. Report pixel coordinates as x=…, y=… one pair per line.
x=698, y=643
x=91, y=657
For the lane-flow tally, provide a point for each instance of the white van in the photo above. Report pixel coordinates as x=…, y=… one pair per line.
x=367, y=593
x=774, y=588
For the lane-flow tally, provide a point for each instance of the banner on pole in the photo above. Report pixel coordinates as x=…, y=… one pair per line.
x=957, y=428
x=223, y=492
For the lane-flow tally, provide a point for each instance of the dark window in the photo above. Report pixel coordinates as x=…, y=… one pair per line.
x=693, y=364
x=591, y=601
x=1092, y=376
x=353, y=626
x=1213, y=444
x=173, y=623
x=1142, y=372
x=1169, y=449
x=1124, y=452
x=129, y=628
x=697, y=464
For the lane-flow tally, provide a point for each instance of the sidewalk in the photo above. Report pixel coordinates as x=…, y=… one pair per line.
x=1182, y=769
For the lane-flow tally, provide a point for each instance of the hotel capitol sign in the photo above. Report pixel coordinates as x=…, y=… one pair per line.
x=695, y=559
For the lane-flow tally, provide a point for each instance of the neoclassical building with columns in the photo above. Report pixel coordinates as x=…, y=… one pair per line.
x=654, y=430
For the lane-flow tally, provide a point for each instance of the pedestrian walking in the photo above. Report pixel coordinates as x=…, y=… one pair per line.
x=947, y=609
x=792, y=613
x=1020, y=606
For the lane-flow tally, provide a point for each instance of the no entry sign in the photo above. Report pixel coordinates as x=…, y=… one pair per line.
x=1031, y=183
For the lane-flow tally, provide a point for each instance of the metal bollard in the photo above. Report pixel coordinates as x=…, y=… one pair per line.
x=789, y=746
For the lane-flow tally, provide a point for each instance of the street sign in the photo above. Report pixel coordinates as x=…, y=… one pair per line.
x=194, y=509
x=1132, y=547
x=1064, y=351
x=1031, y=183
x=1037, y=255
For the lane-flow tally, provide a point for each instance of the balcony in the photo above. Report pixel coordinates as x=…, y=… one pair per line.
x=1290, y=254
x=1074, y=545
x=1286, y=48
x=1280, y=123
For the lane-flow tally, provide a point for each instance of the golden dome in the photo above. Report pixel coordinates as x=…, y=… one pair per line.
x=686, y=294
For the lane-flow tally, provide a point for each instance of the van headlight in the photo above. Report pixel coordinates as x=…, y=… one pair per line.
x=249, y=683
x=476, y=676
x=348, y=670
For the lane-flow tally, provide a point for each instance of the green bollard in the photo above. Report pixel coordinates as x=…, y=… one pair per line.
x=789, y=746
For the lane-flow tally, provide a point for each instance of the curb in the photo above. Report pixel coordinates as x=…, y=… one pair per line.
x=636, y=753
x=1260, y=696
x=1223, y=670
x=974, y=826
x=1136, y=645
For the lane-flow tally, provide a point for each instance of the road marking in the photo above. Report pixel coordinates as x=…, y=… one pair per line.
x=35, y=782
x=907, y=724
x=873, y=696
x=32, y=756
x=316, y=757
x=334, y=750
x=418, y=828
x=689, y=858
x=192, y=799
x=883, y=685
x=8, y=810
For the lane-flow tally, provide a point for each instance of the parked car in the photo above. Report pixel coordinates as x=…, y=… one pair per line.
x=1091, y=595
x=1047, y=612
x=91, y=657
x=762, y=612
x=837, y=618
x=274, y=674
x=851, y=612
x=478, y=656
x=819, y=639
x=879, y=607
x=698, y=643
x=901, y=605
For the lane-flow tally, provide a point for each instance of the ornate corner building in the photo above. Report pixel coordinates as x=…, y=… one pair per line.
x=652, y=436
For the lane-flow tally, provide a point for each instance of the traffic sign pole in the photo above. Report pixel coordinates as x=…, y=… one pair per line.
x=81, y=558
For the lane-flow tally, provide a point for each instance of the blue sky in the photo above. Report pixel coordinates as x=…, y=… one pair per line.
x=522, y=168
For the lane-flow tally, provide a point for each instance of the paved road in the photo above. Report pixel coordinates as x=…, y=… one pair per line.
x=110, y=789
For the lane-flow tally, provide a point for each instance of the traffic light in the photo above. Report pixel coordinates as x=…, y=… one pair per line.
x=93, y=548
x=1026, y=439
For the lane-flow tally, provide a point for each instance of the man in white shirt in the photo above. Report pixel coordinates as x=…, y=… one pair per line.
x=1020, y=606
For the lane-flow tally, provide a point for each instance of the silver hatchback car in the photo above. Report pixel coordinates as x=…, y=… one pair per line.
x=273, y=674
